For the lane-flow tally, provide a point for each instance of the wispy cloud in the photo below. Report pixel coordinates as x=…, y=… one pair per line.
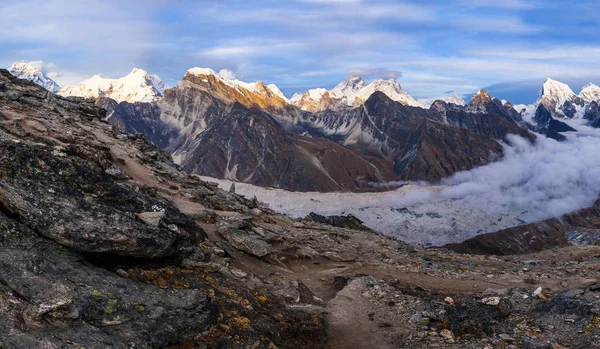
x=505, y=4
x=437, y=45
x=497, y=25
x=378, y=72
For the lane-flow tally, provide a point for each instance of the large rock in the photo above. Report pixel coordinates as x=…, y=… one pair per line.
x=67, y=197
x=60, y=298
x=243, y=241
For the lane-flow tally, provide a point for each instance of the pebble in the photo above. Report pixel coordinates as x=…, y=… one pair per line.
x=122, y=273
x=449, y=300
x=447, y=334
x=493, y=301
x=237, y=272
x=538, y=293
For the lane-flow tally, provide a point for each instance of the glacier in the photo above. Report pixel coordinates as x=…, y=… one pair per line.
x=530, y=183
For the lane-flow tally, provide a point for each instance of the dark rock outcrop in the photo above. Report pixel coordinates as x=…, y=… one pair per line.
x=348, y=221
x=141, y=118
x=482, y=103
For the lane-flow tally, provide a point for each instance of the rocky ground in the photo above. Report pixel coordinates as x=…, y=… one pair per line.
x=105, y=243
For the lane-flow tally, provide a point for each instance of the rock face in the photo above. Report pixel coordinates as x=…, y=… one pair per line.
x=482, y=103
x=137, y=118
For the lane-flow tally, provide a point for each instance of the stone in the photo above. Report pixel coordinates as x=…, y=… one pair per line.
x=151, y=218
x=492, y=301
x=117, y=173
x=122, y=273
x=449, y=300
x=237, y=272
x=538, y=293
x=448, y=335
x=243, y=241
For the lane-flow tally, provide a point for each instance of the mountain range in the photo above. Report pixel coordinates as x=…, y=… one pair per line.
x=346, y=138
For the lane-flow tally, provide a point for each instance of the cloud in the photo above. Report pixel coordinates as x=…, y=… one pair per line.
x=382, y=73
x=507, y=25
x=44, y=67
x=227, y=74
x=505, y=4
x=329, y=2
x=538, y=181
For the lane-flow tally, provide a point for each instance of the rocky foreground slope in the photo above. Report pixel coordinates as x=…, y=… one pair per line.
x=105, y=243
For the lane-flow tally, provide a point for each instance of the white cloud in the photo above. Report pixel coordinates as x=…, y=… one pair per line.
x=377, y=72
x=506, y=4
x=329, y=2
x=227, y=74
x=507, y=25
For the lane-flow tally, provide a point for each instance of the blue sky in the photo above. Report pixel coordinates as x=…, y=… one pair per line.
x=431, y=47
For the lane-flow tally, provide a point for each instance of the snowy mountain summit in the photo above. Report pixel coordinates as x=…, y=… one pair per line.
x=28, y=71
x=590, y=93
x=137, y=86
x=350, y=93
x=228, y=78
x=452, y=98
x=559, y=100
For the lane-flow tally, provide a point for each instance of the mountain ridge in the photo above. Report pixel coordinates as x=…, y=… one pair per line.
x=29, y=72
x=137, y=86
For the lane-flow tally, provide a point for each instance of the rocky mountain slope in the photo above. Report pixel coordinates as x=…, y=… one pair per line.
x=107, y=243
x=423, y=144
x=137, y=86
x=225, y=128
x=29, y=72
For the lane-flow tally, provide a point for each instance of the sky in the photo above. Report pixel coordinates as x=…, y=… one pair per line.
x=431, y=47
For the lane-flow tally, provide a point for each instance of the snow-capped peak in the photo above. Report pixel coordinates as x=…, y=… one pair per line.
x=277, y=92
x=137, y=86
x=228, y=78
x=352, y=91
x=296, y=98
x=202, y=71
x=29, y=72
x=559, y=100
x=391, y=88
x=590, y=92
x=556, y=91
x=452, y=98
x=348, y=87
